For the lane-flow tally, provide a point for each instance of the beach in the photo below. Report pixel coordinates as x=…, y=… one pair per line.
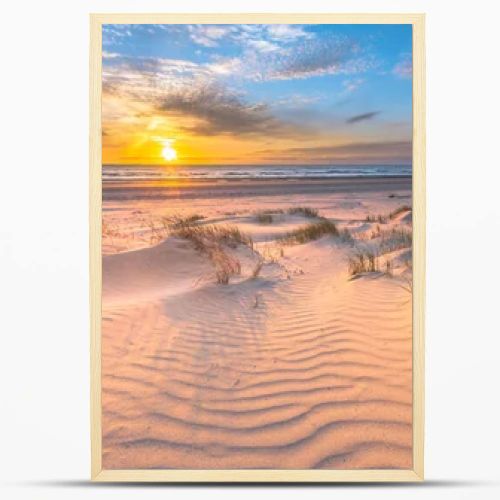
x=257, y=323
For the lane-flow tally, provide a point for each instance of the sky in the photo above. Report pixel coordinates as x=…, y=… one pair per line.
x=257, y=94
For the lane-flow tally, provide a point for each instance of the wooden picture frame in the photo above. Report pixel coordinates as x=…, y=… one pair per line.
x=261, y=475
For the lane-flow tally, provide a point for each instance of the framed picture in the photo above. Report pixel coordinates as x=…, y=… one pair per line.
x=257, y=244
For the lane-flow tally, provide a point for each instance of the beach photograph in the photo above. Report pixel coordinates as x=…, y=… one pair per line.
x=257, y=238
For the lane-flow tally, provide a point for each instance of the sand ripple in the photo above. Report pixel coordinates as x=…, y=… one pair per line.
x=313, y=373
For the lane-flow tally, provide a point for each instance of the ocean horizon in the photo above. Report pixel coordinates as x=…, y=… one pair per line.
x=215, y=172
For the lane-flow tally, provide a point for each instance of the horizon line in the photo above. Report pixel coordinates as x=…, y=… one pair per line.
x=215, y=165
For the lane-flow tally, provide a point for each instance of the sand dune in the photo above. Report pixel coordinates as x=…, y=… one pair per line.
x=301, y=367
x=170, y=268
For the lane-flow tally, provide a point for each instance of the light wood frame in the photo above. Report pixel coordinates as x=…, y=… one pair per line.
x=263, y=475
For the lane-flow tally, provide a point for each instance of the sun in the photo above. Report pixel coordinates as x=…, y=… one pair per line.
x=169, y=153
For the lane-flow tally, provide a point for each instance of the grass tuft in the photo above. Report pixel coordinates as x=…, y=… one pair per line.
x=363, y=262
x=383, y=219
x=398, y=211
x=177, y=221
x=206, y=236
x=211, y=240
x=264, y=218
x=311, y=232
x=346, y=236
x=304, y=211
x=376, y=218
x=257, y=268
x=272, y=211
x=225, y=265
x=395, y=239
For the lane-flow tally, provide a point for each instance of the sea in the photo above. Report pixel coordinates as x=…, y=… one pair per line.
x=214, y=172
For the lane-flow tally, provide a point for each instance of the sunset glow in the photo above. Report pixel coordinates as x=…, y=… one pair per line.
x=257, y=94
x=168, y=152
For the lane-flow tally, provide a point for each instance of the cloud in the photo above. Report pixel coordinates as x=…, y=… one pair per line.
x=175, y=87
x=146, y=78
x=263, y=45
x=332, y=55
x=281, y=52
x=201, y=90
x=278, y=34
x=310, y=57
x=225, y=66
x=403, y=69
x=267, y=52
x=351, y=85
x=392, y=152
x=287, y=32
x=114, y=34
x=297, y=100
x=362, y=117
x=109, y=55
x=220, y=111
x=208, y=34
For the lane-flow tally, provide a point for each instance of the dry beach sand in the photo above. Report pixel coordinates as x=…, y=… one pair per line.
x=303, y=359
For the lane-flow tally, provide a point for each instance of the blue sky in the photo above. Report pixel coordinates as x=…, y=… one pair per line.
x=258, y=93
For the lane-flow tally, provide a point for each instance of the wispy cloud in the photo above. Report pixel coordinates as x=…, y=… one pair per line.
x=208, y=35
x=355, y=152
x=174, y=87
x=280, y=34
x=352, y=84
x=311, y=57
x=221, y=111
x=110, y=55
x=263, y=45
x=146, y=78
x=269, y=52
x=185, y=88
x=362, y=117
x=114, y=34
x=287, y=32
x=403, y=69
x=297, y=100
x=333, y=55
x=281, y=52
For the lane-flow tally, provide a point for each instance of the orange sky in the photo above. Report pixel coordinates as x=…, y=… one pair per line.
x=255, y=94
x=136, y=134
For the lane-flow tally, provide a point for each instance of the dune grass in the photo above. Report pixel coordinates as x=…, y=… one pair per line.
x=111, y=232
x=212, y=240
x=304, y=211
x=384, y=219
x=364, y=261
x=385, y=239
x=264, y=218
x=209, y=235
x=376, y=218
x=395, y=239
x=398, y=211
x=311, y=232
x=272, y=211
x=178, y=221
x=257, y=268
x=225, y=265
x=388, y=241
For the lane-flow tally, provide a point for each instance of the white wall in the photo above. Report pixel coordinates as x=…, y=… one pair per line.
x=44, y=448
